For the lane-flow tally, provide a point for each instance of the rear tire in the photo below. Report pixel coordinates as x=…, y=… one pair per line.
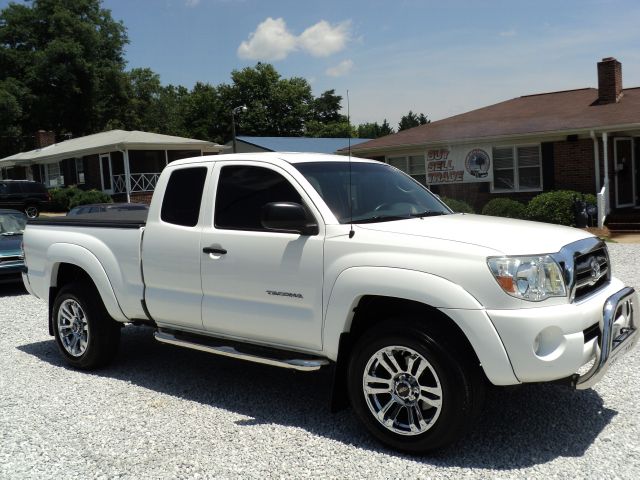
x=411, y=390
x=86, y=335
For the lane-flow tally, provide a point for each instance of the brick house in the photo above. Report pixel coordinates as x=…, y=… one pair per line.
x=585, y=140
x=124, y=164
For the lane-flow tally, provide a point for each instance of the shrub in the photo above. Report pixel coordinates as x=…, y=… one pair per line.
x=505, y=207
x=556, y=207
x=61, y=197
x=457, y=205
x=590, y=198
x=90, y=196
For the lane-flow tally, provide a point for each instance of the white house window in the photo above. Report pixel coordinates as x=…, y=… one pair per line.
x=80, y=170
x=55, y=178
x=414, y=165
x=517, y=168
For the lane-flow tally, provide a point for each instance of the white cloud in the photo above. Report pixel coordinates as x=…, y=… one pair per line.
x=508, y=33
x=192, y=3
x=273, y=41
x=340, y=69
x=322, y=39
x=270, y=41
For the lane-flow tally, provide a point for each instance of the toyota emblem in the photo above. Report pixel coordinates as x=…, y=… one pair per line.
x=595, y=270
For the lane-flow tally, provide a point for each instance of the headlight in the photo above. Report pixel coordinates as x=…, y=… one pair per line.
x=528, y=278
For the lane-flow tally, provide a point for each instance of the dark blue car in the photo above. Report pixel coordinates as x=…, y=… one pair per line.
x=12, y=224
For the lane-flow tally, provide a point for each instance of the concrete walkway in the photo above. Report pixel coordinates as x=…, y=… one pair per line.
x=625, y=237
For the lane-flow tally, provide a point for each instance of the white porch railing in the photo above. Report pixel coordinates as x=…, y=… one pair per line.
x=140, y=182
x=603, y=205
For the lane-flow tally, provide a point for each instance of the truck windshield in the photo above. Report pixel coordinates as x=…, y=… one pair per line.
x=379, y=192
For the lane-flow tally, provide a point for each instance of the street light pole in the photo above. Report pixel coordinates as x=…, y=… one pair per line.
x=240, y=109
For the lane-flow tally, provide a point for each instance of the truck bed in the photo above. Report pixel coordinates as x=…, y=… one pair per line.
x=117, y=219
x=99, y=243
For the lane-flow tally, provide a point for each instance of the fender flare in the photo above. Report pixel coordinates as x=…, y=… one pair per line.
x=60, y=253
x=448, y=297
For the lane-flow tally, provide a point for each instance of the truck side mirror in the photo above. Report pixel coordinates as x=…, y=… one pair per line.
x=288, y=217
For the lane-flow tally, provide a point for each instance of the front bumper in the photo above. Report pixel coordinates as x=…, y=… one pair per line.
x=618, y=335
x=555, y=343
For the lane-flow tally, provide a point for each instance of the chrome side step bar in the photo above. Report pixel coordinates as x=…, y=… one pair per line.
x=300, y=364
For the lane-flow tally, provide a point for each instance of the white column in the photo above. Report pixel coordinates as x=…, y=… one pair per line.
x=127, y=175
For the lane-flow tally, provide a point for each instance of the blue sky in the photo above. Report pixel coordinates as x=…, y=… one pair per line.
x=439, y=58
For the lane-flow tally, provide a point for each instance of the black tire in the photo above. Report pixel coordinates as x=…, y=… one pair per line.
x=459, y=380
x=81, y=305
x=32, y=210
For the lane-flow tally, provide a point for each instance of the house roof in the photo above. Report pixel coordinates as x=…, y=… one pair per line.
x=301, y=144
x=105, y=142
x=566, y=111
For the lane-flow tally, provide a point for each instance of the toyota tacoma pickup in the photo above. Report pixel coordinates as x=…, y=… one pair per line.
x=305, y=261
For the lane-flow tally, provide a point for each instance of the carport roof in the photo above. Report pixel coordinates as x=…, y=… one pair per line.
x=107, y=142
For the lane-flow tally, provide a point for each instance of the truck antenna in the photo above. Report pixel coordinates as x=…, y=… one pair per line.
x=351, y=231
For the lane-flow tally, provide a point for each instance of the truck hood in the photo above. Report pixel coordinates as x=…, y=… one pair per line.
x=505, y=235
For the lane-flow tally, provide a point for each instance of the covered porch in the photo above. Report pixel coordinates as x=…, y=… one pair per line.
x=124, y=164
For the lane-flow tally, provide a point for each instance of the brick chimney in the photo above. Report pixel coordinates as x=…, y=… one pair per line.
x=44, y=138
x=609, y=81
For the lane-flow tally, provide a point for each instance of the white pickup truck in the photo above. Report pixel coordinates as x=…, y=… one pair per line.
x=304, y=261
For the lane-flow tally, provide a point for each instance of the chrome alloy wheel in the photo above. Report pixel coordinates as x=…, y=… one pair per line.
x=402, y=390
x=31, y=211
x=73, y=327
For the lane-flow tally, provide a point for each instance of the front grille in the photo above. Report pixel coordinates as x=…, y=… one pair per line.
x=585, y=266
x=591, y=272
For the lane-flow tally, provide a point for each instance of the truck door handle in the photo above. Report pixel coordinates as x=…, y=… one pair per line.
x=217, y=250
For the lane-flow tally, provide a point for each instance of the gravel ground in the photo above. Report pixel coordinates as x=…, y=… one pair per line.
x=166, y=412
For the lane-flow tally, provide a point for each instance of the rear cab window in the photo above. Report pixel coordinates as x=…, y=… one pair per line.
x=183, y=196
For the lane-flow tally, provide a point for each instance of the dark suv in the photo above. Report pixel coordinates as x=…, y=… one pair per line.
x=25, y=195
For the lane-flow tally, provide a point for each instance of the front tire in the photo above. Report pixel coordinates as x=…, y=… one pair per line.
x=410, y=390
x=86, y=335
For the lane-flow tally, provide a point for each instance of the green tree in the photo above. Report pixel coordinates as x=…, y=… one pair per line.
x=68, y=57
x=275, y=106
x=11, y=116
x=411, y=120
x=172, y=106
x=204, y=113
x=339, y=129
x=326, y=108
x=151, y=106
x=374, y=130
x=325, y=119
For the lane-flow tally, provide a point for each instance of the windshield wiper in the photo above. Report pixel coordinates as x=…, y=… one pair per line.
x=8, y=234
x=428, y=213
x=381, y=218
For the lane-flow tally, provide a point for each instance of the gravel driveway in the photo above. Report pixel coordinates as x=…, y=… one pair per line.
x=166, y=412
